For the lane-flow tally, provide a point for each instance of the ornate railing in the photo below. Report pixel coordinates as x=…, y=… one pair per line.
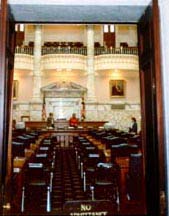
x=64, y=50
x=121, y=50
x=78, y=50
x=24, y=50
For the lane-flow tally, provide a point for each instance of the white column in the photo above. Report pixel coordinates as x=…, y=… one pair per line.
x=90, y=64
x=164, y=21
x=37, y=64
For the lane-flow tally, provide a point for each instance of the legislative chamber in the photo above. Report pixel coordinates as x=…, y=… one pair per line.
x=93, y=166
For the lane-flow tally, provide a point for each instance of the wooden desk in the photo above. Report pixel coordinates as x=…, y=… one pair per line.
x=63, y=132
x=64, y=124
x=64, y=137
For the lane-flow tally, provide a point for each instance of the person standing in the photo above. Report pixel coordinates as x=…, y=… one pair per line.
x=133, y=127
x=50, y=121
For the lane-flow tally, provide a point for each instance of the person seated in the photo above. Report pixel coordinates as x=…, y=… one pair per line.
x=50, y=120
x=133, y=128
x=73, y=121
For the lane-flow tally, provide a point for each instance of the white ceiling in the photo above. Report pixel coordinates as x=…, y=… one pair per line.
x=73, y=11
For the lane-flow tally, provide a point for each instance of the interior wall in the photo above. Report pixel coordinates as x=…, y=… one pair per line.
x=64, y=33
x=127, y=34
x=102, y=80
x=131, y=80
x=102, y=108
x=77, y=33
x=25, y=83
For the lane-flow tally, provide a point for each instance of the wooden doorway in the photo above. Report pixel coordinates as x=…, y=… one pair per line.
x=151, y=110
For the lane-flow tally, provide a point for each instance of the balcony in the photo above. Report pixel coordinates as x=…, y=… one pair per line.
x=75, y=58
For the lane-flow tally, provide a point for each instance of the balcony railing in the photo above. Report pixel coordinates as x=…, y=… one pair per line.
x=121, y=50
x=64, y=50
x=24, y=50
x=77, y=50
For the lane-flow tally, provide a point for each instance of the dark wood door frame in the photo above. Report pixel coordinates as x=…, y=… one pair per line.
x=7, y=35
x=3, y=12
x=151, y=106
x=156, y=86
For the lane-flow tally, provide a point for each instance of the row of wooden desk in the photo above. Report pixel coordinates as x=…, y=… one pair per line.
x=63, y=124
x=62, y=130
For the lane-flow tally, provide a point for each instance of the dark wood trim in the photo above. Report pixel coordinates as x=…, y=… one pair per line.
x=157, y=158
x=2, y=81
x=3, y=18
x=159, y=93
x=151, y=101
x=10, y=47
x=7, y=34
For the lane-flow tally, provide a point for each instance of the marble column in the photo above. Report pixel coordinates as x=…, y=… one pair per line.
x=90, y=64
x=37, y=64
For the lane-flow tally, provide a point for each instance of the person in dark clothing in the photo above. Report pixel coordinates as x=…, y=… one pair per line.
x=50, y=120
x=133, y=127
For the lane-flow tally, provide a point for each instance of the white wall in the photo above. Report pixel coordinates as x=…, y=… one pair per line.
x=25, y=83
x=64, y=33
x=29, y=34
x=131, y=82
x=126, y=33
x=77, y=33
x=102, y=80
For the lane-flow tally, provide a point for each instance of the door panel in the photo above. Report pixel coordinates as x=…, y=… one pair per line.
x=150, y=76
x=151, y=99
x=2, y=87
x=7, y=35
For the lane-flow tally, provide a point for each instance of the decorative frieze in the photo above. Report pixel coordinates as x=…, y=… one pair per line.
x=63, y=90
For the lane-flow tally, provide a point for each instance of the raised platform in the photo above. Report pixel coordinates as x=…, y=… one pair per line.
x=63, y=124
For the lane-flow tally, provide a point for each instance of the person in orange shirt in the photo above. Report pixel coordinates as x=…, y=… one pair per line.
x=73, y=121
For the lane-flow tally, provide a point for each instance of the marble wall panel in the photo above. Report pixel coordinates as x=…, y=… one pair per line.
x=94, y=112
